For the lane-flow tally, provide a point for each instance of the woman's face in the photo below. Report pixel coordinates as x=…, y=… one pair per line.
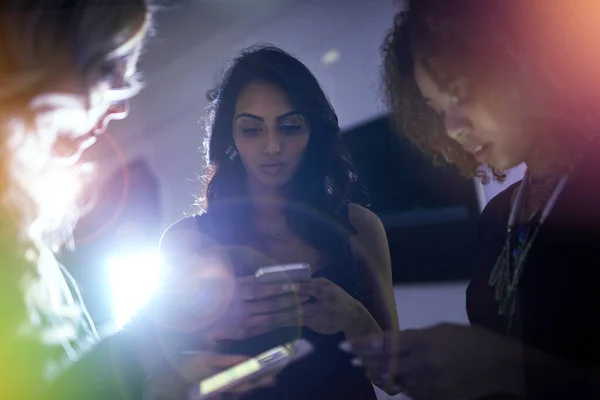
x=490, y=128
x=269, y=134
x=70, y=115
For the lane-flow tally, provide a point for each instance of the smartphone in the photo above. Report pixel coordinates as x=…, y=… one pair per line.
x=257, y=367
x=284, y=273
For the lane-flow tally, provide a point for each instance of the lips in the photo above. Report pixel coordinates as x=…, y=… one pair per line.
x=272, y=168
x=482, y=153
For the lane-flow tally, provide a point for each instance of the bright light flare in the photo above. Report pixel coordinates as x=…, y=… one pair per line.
x=134, y=280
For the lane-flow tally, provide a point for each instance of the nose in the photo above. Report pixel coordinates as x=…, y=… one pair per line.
x=457, y=124
x=273, y=143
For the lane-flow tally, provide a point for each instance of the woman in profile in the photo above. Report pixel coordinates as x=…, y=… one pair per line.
x=277, y=193
x=66, y=69
x=499, y=83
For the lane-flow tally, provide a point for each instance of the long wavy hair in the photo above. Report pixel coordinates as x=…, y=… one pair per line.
x=322, y=183
x=491, y=46
x=41, y=42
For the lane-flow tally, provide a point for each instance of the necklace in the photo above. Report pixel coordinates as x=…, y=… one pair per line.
x=280, y=235
x=507, y=270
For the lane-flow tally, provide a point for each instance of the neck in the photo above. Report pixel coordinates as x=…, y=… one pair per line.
x=543, y=168
x=544, y=164
x=267, y=201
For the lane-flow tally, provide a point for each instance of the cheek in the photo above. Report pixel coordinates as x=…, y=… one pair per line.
x=497, y=124
x=246, y=148
x=298, y=145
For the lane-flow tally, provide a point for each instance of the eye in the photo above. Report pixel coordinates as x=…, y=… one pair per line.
x=463, y=92
x=290, y=128
x=292, y=124
x=250, y=131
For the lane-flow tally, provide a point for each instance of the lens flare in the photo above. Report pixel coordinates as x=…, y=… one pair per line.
x=134, y=280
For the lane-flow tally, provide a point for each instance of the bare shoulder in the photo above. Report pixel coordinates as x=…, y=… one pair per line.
x=187, y=224
x=181, y=235
x=371, y=238
x=364, y=220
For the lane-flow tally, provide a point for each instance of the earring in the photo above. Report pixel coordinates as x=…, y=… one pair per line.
x=232, y=152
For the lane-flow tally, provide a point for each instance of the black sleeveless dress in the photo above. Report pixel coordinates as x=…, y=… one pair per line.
x=325, y=374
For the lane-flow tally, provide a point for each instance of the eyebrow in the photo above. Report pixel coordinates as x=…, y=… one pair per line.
x=256, y=117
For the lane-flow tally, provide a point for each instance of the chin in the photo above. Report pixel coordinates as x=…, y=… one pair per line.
x=273, y=181
x=504, y=163
x=273, y=184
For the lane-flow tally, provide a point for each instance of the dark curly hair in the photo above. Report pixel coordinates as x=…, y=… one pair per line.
x=323, y=181
x=490, y=45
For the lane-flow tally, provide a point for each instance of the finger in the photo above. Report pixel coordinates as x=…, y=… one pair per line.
x=273, y=304
x=393, y=375
x=264, y=382
x=390, y=343
x=226, y=360
x=290, y=317
x=196, y=366
x=380, y=368
x=408, y=372
x=316, y=288
x=250, y=289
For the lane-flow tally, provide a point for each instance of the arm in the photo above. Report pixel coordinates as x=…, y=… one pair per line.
x=186, y=251
x=370, y=245
x=182, y=240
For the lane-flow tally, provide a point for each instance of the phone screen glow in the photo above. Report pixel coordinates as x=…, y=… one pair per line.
x=243, y=370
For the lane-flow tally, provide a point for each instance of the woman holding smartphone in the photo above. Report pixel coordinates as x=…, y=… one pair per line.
x=277, y=193
x=67, y=68
x=499, y=83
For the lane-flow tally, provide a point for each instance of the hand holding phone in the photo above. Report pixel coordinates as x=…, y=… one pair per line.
x=178, y=381
x=253, y=370
x=259, y=308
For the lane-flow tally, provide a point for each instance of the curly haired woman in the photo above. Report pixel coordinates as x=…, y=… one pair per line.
x=488, y=84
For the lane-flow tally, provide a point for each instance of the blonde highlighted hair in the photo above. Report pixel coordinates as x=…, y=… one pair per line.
x=42, y=42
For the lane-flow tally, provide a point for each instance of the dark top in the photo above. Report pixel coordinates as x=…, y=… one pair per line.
x=326, y=373
x=558, y=308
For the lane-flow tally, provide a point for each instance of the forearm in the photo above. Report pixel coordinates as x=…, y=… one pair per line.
x=363, y=323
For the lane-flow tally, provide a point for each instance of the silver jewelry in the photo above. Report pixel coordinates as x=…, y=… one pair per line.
x=231, y=152
x=506, y=274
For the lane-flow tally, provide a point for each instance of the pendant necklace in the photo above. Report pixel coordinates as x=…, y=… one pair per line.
x=507, y=270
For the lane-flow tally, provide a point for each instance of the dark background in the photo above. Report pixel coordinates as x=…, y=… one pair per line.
x=430, y=213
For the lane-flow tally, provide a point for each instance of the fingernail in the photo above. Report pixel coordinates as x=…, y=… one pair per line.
x=356, y=362
x=290, y=287
x=345, y=346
